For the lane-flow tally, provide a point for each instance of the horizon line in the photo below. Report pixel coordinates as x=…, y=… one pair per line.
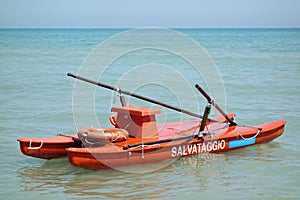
x=149, y=27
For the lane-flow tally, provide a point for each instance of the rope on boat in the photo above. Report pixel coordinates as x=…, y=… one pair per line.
x=116, y=139
x=35, y=148
x=86, y=143
x=143, y=145
x=258, y=132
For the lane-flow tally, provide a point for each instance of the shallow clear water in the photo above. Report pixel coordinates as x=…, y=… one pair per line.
x=260, y=69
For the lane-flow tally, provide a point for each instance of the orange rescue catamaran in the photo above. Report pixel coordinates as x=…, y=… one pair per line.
x=136, y=138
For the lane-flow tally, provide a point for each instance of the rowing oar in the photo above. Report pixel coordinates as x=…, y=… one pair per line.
x=160, y=141
x=139, y=96
x=211, y=101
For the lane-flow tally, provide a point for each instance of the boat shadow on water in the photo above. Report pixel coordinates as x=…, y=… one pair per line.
x=60, y=177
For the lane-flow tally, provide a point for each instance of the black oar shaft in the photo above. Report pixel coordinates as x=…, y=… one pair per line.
x=92, y=81
x=159, y=141
x=138, y=96
x=210, y=100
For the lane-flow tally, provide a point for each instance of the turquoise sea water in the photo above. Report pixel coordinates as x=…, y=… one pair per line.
x=260, y=69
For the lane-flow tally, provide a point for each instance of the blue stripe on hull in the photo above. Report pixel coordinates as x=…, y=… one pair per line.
x=241, y=143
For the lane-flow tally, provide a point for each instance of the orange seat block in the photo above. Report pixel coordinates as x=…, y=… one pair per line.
x=140, y=122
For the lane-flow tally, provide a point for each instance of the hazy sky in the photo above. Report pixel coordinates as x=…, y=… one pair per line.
x=153, y=13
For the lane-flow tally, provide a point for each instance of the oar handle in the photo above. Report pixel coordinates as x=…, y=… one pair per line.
x=211, y=101
x=203, y=93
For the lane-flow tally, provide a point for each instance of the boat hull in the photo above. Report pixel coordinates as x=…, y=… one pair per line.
x=223, y=140
x=48, y=148
x=55, y=147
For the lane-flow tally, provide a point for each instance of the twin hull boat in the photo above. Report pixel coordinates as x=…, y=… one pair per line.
x=168, y=141
x=136, y=138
